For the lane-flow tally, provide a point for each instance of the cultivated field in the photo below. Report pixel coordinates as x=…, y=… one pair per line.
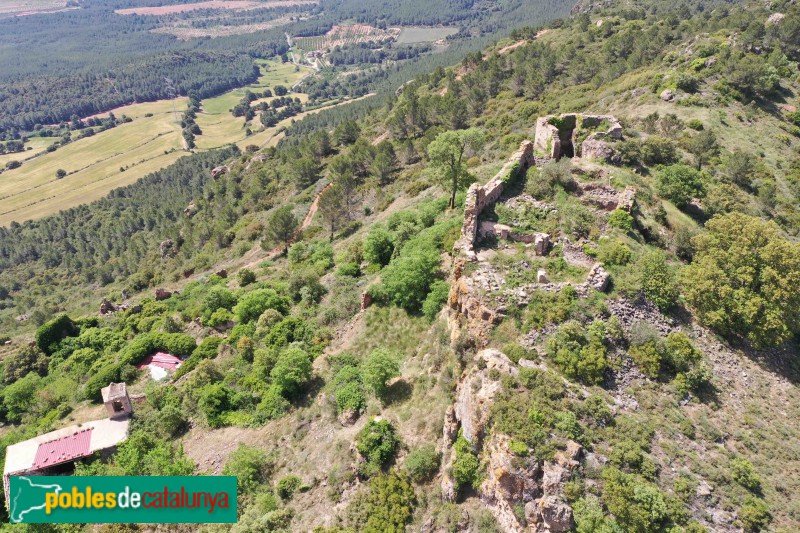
x=239, y=5
x=34, y=146
x=220, y=126
x=16, y=8
x=93, y=165
x=424, y=34
x=147, y=144
x=347, y=34
x=185, y=32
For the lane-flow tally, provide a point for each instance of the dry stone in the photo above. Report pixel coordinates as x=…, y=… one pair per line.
x=598, y=277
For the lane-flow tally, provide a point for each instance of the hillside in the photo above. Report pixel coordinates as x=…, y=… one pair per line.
x=552, y=288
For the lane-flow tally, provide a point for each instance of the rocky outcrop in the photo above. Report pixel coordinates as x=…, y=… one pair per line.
x=668, y=95
x=190, y=210
x=220, y=171
x=465, y=300
x=167, y=248
x=163, y=294
x=222, y=273
x=106, y=307
x=627, y=199
x=597, y=149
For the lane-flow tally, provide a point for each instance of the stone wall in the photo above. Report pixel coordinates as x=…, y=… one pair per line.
x=549, y=140
x=479, y=197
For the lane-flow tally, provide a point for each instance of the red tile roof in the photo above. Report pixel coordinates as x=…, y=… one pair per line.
x=63, y=450
x=161, y=359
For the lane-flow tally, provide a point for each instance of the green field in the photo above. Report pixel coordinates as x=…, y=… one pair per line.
x=34, y=146
x=220, y=127
x=147, y=144
x=92, y=164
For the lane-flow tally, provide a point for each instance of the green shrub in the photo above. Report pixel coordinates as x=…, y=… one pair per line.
x=613, y=252
x=26, y=360
x=272, y=406
x=388, y=505
x=349, y=269
x=349, y=390
x=679, y=184
x=754, y=515
x=253, y=304
x=648, y=358
x=742, y=280
x=657, y=280
x=215, y=399
x=378, y=246
x=465, y=464
x=218, y=297
x=292, y=371
x=407, y=280
x=246, y=277
x=620, y=219
x=378, y=368
x=436, y=299
x=422, y=463
x=48, y=334
x=376, y=443
x=745, y=475
x=577, y=355
x=106, y=375
x=287, y=486
x=250, y=465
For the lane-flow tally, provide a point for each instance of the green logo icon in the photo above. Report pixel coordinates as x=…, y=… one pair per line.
x=122, y=499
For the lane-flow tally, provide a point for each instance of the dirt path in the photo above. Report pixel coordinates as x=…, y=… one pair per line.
x=278, y=250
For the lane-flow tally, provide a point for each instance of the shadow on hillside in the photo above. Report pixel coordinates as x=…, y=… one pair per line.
x=783, y=360
x=399, y=391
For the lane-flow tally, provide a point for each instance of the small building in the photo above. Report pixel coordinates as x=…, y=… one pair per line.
x=54, y=453
x=160, y=364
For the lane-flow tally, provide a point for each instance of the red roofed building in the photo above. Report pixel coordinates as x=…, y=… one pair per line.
x=53, y=453
x=161, y=360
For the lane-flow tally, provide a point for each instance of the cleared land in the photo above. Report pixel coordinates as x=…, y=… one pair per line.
x=34, y=146
x=185, y=32
x=93, y=166
x=424, y=34
x=219, y=126
x=239, y=5
x=16, y=8
x=346, y=34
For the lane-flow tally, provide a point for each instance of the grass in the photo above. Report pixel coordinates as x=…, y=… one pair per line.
x=92, y=165
x=34, y=146
x=151, y=142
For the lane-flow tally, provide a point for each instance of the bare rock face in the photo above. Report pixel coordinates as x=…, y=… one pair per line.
x=219, y=171
x=366, y=300
x=598, y=277
x=597, y=149
x=627, y=199
x=668, y=95
x=167, y=248
x=549, y=514
x=190, y=210
x=348, y=417
x=106, y=307
x=475, y=394
x=464, y=299
x=541, y=276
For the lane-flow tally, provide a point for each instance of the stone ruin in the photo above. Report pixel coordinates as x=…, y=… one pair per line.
x=480, y=197
x=558, y=136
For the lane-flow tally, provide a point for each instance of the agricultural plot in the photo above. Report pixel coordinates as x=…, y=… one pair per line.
x=347, y=34
x=238, y=5
x=220, y=127
x=34, y=146
x=424, y=34
x=93, y=165
x=183, y=31
x=16, y=8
